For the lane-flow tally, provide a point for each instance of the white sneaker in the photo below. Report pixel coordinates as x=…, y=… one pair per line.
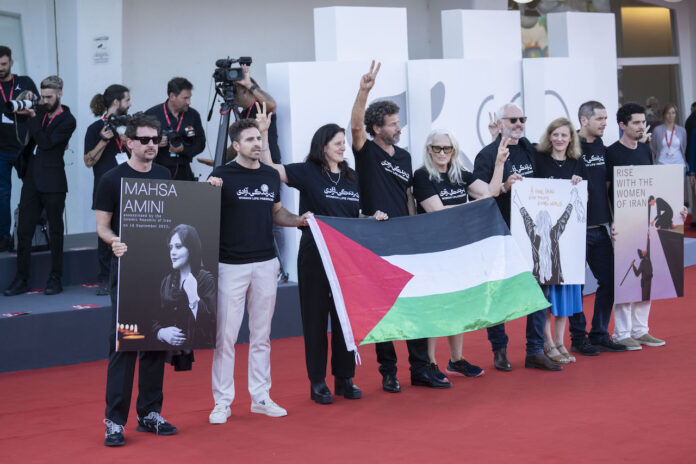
x=269, y=408
x=220, y=414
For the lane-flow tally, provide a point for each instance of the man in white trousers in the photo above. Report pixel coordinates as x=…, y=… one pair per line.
x=248, y=269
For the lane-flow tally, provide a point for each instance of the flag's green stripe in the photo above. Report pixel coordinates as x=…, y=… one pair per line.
x=485, y=305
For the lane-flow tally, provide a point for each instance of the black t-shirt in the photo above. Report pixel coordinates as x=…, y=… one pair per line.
x=250, y=113
x=619, y=154
x=107, y=160
x=548, y=168
x=9, y=144
x=322, y=192
x=384, y=179
x=246, y=217
x=449, y=193
x=593, y=156
x=109, y=190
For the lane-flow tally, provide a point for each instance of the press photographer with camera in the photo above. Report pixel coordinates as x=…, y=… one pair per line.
x=182, y=132
x=105, y=148
x=44, y=185
x=12, y=135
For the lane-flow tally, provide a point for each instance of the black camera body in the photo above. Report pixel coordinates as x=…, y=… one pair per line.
x=23, y=102
x=117, y=124
x=173, y=137
x=226, y=74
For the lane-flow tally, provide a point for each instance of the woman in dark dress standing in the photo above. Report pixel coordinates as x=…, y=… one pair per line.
x=328, y=187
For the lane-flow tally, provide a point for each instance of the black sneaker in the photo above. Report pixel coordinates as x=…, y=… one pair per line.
x=608, y=345
x=114, y=434
x=584, y=348
x=154, y=423
x=437, y=373
x=462, y=367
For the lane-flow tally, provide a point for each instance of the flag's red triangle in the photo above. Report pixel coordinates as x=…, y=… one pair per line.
x=370, y=284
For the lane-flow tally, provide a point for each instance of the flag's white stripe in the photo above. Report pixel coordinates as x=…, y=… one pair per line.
x=335, y=287
x=490, y=259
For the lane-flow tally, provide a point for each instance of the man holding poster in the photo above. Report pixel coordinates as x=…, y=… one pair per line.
x=630, y=317
x=248, y=269
x=142, y=137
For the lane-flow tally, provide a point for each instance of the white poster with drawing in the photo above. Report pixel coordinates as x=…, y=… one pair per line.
x=549, y=222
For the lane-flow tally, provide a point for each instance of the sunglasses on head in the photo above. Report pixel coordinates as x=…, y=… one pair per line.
x=145, y=140
x=437, y=149
x=522, y=119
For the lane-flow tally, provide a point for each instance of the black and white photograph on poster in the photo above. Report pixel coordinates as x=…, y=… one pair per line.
x=167, y=285
x=548, y=221
x=649, y=216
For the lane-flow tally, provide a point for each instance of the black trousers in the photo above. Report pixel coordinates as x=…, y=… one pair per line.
x=316, y=303
x=119, y=375
x=104, y=256
x=31, y=203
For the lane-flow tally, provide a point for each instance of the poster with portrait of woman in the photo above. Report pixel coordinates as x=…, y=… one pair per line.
x=549, y=222
x=167, y=283
x=649, y=216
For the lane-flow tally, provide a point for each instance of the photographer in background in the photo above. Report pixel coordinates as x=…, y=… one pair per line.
x=12, y=137
x=44, y=185
x=182, y=133
x=105, y=148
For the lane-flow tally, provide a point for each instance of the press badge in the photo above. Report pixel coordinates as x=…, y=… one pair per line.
x=121, y=157
x=6, y=120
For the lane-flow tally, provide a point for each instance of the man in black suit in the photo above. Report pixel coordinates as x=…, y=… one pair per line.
x=42, y=171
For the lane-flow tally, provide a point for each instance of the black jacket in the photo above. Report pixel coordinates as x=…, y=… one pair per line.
x=50, y=140
x=484, y=165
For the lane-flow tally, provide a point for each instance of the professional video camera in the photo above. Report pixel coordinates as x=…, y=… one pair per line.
x=225, y=74
x=23, y=102
x=117, y=124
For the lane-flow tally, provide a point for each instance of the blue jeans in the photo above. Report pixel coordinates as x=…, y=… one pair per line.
x=6, y=163
x=600, y=258
x=535, y=333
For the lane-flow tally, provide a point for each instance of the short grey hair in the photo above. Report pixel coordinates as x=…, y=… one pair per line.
x=504, y=108
x=52, y=82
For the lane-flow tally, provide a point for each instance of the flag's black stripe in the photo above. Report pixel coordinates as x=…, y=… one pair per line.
x=424, y=233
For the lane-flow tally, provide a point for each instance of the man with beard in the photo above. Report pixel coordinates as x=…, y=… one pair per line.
x=142, y=137
x=12, y=137
x=631, y=319
x=521, y=163
x=105, y=150
x=385, y=177
x=599, y=250
x=44, y=185
x=183, y=124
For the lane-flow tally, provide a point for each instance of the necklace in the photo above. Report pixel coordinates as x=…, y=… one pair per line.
x=559, y=163
x=335, y=182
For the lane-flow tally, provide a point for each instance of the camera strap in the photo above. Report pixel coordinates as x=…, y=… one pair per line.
x=11, y=91
x=169, y=122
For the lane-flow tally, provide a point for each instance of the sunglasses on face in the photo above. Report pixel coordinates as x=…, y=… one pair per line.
x=145, y=140
x=522, y=119
x=446, y=150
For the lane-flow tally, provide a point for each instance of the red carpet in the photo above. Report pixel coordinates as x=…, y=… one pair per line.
x=618, y=407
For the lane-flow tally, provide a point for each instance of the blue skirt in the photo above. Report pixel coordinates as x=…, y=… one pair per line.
x=565, y=300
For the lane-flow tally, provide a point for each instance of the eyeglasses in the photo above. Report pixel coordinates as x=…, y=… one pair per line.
x=145, y=140
x=437, y=149
x=522, y=119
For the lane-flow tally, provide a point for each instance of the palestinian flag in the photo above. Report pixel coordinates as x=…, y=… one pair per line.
x=430, y=275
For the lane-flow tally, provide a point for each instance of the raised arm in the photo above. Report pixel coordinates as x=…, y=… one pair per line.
x=480, y=189
x=357, y=116
x=257, y=92
x=264, y=122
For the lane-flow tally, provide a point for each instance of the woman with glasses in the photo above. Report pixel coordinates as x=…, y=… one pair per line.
x=443, y=182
